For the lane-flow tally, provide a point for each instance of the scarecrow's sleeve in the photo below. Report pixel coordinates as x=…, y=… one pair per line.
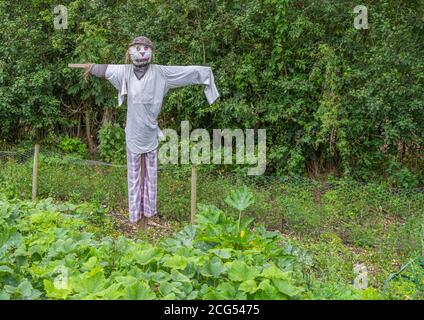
x=180, y=76
x=115, y=74
x=98, y=70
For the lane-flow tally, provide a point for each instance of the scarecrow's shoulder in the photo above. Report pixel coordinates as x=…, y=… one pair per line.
x=118, y=69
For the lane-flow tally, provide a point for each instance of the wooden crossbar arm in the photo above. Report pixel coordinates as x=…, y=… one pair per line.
x=79, y=65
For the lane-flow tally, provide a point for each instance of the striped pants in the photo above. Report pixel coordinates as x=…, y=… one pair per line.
x=142, y=195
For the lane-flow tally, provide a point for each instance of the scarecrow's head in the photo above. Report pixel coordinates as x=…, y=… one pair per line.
x=140, y=51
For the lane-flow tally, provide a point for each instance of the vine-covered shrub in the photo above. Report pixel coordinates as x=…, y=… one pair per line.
x=331, y=97
x=112, y=143
x=72, y=145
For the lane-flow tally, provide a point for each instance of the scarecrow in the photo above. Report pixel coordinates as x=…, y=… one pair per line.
x=145, y=84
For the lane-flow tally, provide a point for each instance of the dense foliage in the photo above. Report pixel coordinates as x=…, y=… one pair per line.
x=321, y=231
x=46, y=252
x=58, y=251
x=331, y=97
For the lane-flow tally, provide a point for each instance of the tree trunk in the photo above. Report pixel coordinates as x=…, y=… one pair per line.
x=91, y=144
x=79, y=127
x=107, y=115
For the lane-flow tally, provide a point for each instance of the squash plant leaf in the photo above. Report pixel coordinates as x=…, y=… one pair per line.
x=213, y=268
x=139, y=291
x=240, y=271
x=240, y=199
x=148, y=255
x=248, y=286
x=176, y=262
x=285, y=287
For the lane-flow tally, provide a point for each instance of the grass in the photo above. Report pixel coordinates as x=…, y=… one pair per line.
x=339, y=223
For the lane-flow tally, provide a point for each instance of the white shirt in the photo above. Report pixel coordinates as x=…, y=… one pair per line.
x=145, y=97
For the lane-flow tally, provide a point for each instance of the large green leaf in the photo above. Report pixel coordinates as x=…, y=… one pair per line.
x=287, y=288
x=6, y=270
x=222, y=253
x=139, y=291
x=175, y=262
x=273, y=271
x=248, y=286
x=55, y=293
x=113, y=292
x=175, y=287
x=213, y=268
x=240, y=271
x=148, y=255
x=27, y=291
x=266, y=291
x=226, y=290
x=240, y=199
x=89, y=282
x=4, y=296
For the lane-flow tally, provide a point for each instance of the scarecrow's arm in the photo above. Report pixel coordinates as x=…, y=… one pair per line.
x=180, y=76
x=97, y=70
x=114, y=73
x=79, y=65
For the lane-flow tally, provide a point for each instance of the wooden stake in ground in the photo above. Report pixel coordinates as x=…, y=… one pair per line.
x=35, y=172
x=193, y=192
x=143, y=221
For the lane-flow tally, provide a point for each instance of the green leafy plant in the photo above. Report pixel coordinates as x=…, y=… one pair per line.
x=72, y=146
x=401, y=176
x=112, y=143
x=240, y=199
x=73, y=251
x=44, y=255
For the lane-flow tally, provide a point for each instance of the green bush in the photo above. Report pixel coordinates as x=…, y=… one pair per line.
x=71, y=145
x=112, y=143
x=332, y=98
x=401, y=176
x=407, y=283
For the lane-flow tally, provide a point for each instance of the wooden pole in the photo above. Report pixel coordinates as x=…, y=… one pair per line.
x=35, y=172
x=78, y=65
x=143, y=221
x=193, y=192
x=194, y=169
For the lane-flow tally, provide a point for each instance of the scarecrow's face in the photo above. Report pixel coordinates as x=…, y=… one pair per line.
x=140, y=54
